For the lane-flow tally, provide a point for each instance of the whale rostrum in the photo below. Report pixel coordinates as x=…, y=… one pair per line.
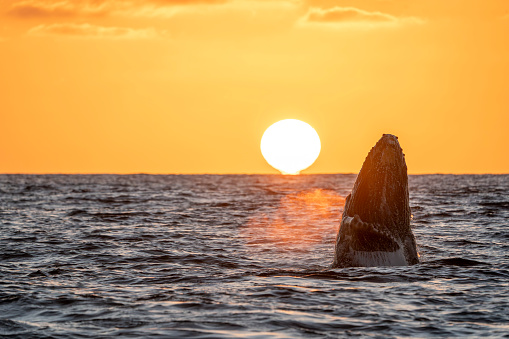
x=375, y=227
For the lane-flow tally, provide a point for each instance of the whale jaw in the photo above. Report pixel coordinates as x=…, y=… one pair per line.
x=375, y=227
x=370, y=244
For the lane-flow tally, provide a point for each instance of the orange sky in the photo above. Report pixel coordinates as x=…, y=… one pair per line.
x=189, y=86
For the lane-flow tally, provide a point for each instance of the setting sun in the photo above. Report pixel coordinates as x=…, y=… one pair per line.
x=290, y=146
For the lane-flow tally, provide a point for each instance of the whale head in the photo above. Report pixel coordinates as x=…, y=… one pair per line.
x=375, y=227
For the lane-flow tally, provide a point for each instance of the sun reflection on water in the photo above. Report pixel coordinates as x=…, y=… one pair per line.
x=303, y=219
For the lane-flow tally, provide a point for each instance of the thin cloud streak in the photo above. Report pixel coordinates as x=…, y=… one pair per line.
x=93, y=32
x=42, y=9
x=354, y=16
x=68, y=8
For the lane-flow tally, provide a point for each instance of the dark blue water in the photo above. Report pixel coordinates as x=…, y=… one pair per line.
x=243, y=256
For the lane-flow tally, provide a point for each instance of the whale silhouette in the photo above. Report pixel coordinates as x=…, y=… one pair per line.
x=375, y=227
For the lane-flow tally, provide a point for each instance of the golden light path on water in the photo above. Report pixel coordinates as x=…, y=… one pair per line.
x=300, y=220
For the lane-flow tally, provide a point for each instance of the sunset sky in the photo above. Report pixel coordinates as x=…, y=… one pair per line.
x=183, y=86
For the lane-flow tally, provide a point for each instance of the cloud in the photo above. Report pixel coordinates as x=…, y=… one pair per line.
x=74, y=8
x=348, y=14
x=351, y=15
x=93, y=31
x=65, y=8
x=68, y=9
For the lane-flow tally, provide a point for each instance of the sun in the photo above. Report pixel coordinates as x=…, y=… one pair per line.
x=290, y=146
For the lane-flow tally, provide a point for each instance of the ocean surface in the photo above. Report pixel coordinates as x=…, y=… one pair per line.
x=243, y=256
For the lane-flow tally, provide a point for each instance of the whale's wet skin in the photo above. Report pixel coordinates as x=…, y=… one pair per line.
x=245, y=256
x=375, y=227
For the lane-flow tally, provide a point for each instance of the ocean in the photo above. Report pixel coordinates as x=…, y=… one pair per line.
x=243, y=256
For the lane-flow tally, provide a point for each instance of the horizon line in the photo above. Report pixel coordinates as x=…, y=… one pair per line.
x=264, y=173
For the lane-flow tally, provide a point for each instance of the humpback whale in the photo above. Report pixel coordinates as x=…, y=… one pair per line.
x=375, y=226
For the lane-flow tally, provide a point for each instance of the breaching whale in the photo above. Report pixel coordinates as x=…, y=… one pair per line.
x=375, y=227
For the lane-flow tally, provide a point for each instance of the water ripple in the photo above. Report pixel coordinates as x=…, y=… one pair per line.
x=87, y=256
